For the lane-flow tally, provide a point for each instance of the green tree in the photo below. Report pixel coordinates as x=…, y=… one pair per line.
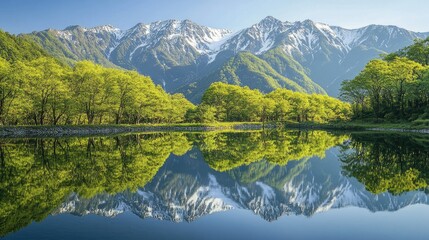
x=93, y=90
x=403, y=72
x=38, y=174
x=389, y=162
x=12, y=81
x=46, y=91
x=418, y=52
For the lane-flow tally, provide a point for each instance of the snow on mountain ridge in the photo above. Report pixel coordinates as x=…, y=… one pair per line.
x=258, y=38
x=263, y=200
x=202, y=39
x=347, y=36
x=301, y=36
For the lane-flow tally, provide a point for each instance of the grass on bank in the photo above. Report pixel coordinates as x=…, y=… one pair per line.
x=364, y=125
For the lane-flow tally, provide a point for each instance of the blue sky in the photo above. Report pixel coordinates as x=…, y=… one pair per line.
x=22, y=16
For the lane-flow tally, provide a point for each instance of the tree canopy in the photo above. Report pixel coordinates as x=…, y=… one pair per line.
x=38, y=174
x=393, y=88
x=223, y=102
x=387, y=163
x=38, y=89
x=43, y=91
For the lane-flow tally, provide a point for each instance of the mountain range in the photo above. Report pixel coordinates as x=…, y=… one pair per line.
x=185, y=57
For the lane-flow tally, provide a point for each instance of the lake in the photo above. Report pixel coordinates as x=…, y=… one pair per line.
x=216, y=185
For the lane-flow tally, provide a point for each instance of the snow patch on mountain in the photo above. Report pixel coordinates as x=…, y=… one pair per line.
x=212, y=197
x=118, y=33
x=141, y=45
x=178, y=34
x=67, y=35
x=306, y=38
x=267, y=191
x=348, y=37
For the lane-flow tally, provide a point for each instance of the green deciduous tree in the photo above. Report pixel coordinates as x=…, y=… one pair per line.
x=234, y=103
x=394, y=88
x=46, y=91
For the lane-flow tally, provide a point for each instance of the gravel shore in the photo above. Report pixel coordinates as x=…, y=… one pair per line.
x=70, y=131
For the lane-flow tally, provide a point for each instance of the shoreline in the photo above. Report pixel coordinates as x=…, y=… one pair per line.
x=96, y=130
x=352, y=126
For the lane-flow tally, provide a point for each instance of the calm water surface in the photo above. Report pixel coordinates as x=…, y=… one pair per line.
x=216, y=185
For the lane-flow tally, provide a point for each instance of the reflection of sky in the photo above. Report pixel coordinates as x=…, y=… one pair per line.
x=343, y=223
x=347, y=223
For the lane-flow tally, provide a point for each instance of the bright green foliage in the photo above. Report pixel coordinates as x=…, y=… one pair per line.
x=394, y=88
x=37, y=175
x=38, y=89
x=18, y=48
x=234, y=103
x=116, y=96
x=178, y=108
x=87, y=45
x=93, y=90
x=10, y=92
x=418, y=52
x=270, y=71
x=396, y=163
x=202, y=114
x=46, y=92
x=226, y=151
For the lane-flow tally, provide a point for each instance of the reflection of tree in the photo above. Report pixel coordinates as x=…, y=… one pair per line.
x=225, y=151
x=37, y=175
x=394, y=163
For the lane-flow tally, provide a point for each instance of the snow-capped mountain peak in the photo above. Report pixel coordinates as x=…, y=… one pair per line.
x=258, y=38
x=176, y=53
x=302, y=195
x=301, y=37
x=175, y=36
x=118, y=33
x=270, y=22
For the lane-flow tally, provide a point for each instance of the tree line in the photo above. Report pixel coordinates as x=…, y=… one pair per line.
x=37, y=89
x=225, y=151
x=37, y=175
x=44, y=91
x=393, y=88
x=228, y=103
x=387, y=163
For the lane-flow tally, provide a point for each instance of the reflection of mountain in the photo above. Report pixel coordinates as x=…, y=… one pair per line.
x=181, y=177
x=185, y=189
x=36, y=175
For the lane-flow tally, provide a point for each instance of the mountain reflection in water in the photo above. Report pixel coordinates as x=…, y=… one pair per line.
x=184, y=176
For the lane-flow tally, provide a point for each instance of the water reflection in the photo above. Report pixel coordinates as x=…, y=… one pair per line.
x=384, y=162
x=183, y=176
x=37, y=175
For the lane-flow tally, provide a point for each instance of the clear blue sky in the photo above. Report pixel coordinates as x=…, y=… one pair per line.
x=22, y=16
